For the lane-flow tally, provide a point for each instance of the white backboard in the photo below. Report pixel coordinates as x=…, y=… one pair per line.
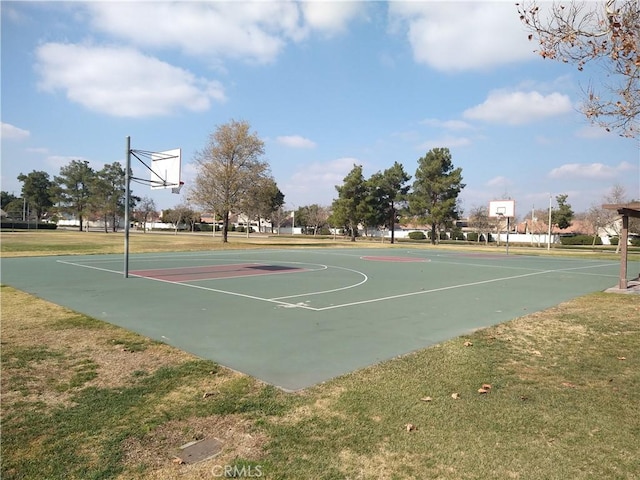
x=502, y=208
x=166, y=169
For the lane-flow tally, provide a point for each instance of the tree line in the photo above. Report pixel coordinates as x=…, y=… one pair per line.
x=381, y=201
x=233, y=178
x=78, y=191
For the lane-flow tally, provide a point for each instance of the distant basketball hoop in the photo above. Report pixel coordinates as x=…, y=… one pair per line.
x=502, y=208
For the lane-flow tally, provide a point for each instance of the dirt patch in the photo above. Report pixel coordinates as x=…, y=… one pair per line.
x=159, y=450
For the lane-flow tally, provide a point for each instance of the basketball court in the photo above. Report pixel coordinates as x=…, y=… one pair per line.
x=297, y=317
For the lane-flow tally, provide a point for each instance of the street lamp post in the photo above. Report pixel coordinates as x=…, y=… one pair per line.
x=549, y=235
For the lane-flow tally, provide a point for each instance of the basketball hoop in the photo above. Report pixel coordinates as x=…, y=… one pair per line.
x=177, y=189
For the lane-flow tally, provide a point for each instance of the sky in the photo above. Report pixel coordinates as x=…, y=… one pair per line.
x=325, y=85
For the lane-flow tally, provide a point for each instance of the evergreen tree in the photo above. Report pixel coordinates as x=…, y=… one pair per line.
x=37, y=191
x=562, y=216
x=73, y=189
x=435, y=190
x=350, y=206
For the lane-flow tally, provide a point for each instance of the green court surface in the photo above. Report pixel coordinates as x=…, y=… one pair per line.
x=295, y=318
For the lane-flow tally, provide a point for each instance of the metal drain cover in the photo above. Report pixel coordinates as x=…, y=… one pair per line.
x=194, y=452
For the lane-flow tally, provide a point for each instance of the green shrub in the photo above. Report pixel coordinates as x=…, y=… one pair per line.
x=580, y=240
x=417, y=235
x=475, y=237
x=456, y=234
x=614, y=240
x=472, y=236
x=20, y=225
x=635, y=242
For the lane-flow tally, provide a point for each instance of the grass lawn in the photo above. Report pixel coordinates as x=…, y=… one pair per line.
x=553, y=395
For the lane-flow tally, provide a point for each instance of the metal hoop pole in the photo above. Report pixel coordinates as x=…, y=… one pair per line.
x=127, y=195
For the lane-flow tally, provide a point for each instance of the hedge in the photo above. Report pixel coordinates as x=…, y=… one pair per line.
x=417, y=236
x=580, y=240
x=21, y=225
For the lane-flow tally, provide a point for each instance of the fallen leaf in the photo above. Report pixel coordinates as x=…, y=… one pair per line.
x=568, y=385
x=468, y=344
x=622, y=358
x=482, y=391
x=178, y=460
x=426, y=399
x=455, y=396
x=537, y=353
x=410, y=427
x=486, y=386
x=208, y=394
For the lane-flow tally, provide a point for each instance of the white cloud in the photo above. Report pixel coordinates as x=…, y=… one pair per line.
x=121, y=81
x=447, y=124
x=11, y=132
x=253, y=31
x=315, y=182
x=295, y=141
x=330, y=17
x=38, y=150
x=594, y=171
x=445, y=142
x=517, y=108
x=459, y=36
x=58, y=161
x=211, y=29
x=499, y=181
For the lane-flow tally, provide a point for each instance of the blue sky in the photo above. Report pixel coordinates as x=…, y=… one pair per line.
x=326, y=85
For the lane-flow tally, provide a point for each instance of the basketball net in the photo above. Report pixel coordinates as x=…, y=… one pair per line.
x=177, y=189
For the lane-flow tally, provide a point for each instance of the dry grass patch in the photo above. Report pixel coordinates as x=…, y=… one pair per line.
x=322, y=406
x=71, y=341
x=157, y=451
x=80, y=395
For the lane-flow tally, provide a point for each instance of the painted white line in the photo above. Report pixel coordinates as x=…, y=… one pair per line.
x=226, y=292
x=91, y=267
x=199, y=287
x=322, y=292
x=278, y=302
x=452, y=287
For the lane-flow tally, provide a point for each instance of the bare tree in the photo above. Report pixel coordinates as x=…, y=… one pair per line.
x=278, y=217
x=317, y=217
x=611, y=219
x=597, y=219
x=181, y=214
x=480, y=222
x=228, y=166
x=604, y=32
x=145, y=208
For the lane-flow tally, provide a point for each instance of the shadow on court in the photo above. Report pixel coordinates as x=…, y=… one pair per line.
x=295, y=318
